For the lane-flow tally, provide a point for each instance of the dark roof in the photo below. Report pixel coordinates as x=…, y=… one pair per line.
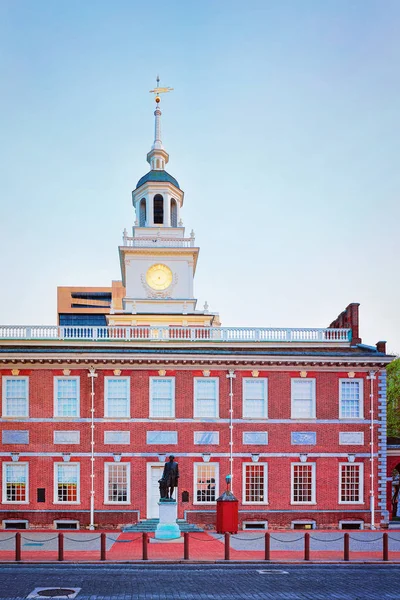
x=157, y=176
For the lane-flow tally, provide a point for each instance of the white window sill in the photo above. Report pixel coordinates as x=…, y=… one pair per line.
x=15, y=416
x=14, y=503
x=66, y=503
x=255, y=503
x=110, y=503
x=358, y=503
x=163, y=418
x=303, y=503
x=205, y=503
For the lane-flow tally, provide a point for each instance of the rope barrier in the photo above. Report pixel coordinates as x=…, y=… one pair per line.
x=7, y=539
x=221, y=537
x=117, y=541
x=93, y=539
x=287, y=541
x=366, y=541
x=317, y=539
x=236, y=537
x=393, y=538
x=38, y=541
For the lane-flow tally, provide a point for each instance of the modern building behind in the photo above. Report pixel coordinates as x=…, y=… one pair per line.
x=136, y=371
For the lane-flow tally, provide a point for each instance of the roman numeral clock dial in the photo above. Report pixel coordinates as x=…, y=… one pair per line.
x=159, y=277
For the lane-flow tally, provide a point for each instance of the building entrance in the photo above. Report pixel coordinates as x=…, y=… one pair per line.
x=154, y=473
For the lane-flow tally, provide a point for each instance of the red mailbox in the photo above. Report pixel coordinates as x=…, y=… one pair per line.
x=227, y=513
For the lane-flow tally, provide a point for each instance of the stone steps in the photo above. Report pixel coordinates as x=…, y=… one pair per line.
x=149, y=525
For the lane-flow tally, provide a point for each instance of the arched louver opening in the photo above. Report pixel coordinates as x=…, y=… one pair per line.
x=142, y=213
x=174, y=214
x=158, y=209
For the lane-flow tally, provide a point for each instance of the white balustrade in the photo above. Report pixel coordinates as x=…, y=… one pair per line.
x=172, y=334
x=158, y=242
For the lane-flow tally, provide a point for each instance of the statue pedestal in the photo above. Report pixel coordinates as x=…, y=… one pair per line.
x=167, y=529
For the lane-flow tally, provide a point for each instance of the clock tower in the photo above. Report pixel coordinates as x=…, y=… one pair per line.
x=158, y=262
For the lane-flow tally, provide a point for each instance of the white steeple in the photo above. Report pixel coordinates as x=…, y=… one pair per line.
x=158, y=157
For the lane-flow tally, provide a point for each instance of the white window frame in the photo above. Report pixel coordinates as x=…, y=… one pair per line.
x=294, y=380
x=361, y=398
x=313, y=489
x=106, y=412
x=151, y=411
x=127, y=466
x=253, y=464
x=361, y=484
x=78, y=394
x=195, y=470
x=246, y=414
x=4, y=388
x=78, y=479
x=196, y=381
x=4, y=485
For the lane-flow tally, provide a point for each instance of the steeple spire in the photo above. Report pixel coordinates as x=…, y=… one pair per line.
x=158, y=156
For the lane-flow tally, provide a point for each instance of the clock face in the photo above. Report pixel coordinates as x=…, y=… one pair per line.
x=159, y=277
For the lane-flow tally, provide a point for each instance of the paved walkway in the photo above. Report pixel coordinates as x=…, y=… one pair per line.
x=207, y=546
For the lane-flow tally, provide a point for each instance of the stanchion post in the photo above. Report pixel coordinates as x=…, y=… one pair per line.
x=18, y=546
x=307, y=546
x=346, y=540
x=385, y=540
x=145, y=541
x=267, y=546
x=186, y=545
x=60, y=546
x=227, y=546
x=103, y=540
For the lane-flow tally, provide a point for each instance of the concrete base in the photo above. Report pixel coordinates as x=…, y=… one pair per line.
x=167, y=529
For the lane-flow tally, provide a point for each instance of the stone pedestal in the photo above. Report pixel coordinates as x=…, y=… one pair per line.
x=167, y=529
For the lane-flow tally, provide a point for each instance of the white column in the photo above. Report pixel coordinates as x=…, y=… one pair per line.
x=150, y=212
x=167, y=210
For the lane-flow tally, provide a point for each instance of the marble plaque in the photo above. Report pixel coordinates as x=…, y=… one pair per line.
x=67, y=437
x=255, y=437
x=354, y=438
x=206, y=437
x=162, y=437
x=304, y=438
x=117, y=437
x=10, y=436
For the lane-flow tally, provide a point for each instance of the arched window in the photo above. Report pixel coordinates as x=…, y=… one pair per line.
x=142, y=213
x=158, y=209
x=174, y=214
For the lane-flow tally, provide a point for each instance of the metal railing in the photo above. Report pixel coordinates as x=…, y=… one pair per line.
x=173, y=334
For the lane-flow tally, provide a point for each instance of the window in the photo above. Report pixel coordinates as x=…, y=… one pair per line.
x=255, y=393
x=206, y=477
x=257, y=438
x=303, y=483
x=303, y=398
x=66, y=397
x=206, y=438
x=15, y=397
x=174, y=214
x=117, y=397
x=162, y=397
x=255, y=483
x=66, y=478
x=142, y=213
x=117, y=483
x=15, y=482
x=158, y=214
x=350, y=483
x=206, y=398
x=351, y=399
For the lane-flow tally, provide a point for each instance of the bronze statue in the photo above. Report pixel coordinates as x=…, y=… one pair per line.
x=169, y=480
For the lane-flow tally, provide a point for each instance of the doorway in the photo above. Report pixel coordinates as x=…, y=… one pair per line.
x=154, y=473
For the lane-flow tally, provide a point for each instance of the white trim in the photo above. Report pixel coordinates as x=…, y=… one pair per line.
x=106, y=380
x=361, y=484
x=58, y=378
x=252, y=464
x=207, y=379
x=126, y=465
x=65, y=522
x=78, y=486
x=196, y=465
x=263, y=380
x=4, y=482
x=295, y=380
x=149, y=467
x=6, y=378
x=313, y=489
x=152, y=379
x=11, y=521
x=361, y=398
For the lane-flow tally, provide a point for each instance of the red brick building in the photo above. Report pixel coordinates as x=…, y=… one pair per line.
x=91, y=407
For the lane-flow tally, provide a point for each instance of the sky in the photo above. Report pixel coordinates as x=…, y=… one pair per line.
x=283, y=131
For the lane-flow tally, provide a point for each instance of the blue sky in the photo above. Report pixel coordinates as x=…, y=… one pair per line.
x=283, y=131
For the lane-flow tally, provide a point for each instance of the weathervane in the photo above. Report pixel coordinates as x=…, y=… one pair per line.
x=160, y=90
